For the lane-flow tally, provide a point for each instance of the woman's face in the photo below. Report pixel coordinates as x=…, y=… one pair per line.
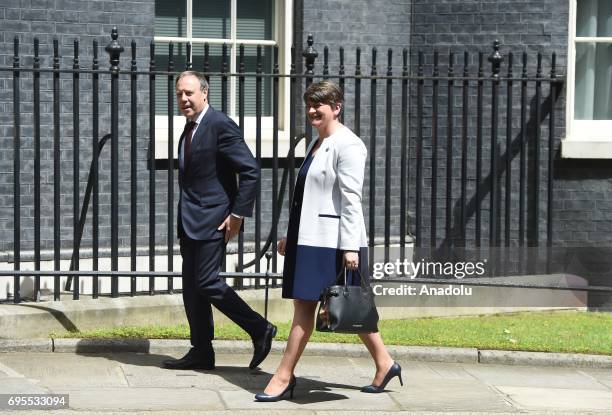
x=320, y=115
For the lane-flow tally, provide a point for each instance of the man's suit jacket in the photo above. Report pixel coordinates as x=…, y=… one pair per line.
x=331, y=213
x=209, y=191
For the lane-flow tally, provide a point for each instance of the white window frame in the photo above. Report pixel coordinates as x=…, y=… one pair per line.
x=584, y=138
x=283, y=35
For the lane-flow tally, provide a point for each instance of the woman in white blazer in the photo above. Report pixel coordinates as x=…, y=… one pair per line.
x=326, y=232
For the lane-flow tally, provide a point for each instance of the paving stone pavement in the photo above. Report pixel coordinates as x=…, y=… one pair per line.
x=135, y=383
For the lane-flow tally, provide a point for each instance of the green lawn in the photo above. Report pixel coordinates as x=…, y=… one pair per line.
x=567, y=331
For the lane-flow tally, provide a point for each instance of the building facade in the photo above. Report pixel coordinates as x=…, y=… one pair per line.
x=579, y=32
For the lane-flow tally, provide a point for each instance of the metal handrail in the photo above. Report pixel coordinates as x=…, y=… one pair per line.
x=84, y=209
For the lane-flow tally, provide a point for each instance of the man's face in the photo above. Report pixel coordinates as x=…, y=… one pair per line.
x=190, y=98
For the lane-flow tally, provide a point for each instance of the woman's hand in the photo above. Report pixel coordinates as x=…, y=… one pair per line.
x=281, y=246
x=351, y=259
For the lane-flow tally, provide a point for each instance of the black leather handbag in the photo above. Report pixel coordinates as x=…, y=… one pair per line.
x=347, y=308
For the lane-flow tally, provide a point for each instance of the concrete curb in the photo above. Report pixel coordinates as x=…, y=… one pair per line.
x=155, y=346
x=23, y=345
x=411, y=353
x=507, y=357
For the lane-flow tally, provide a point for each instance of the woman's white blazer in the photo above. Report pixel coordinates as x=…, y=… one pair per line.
x=331, y=214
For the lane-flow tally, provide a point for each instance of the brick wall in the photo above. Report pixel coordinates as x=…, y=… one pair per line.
x=581, y=216
x=66, y=21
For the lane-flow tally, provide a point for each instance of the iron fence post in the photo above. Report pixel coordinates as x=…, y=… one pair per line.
x=404, y=158
x=450, y=237
x=496, y=59
x=37, y=193
x=152, y=150
x=551, y=162
x=434, y=152
x=170, y=91
x=419, y=153
x=114, y=50
x=76, y=238
x=372, y=150
x=388, y=135
x=16, y=172
x=95, y=82
x=464, y=147
x=535, y=229
x=479, y=127
x=357, y=128
x=258, y=149
x=341, y=77
x=268, y=259
x=241, y=85
x=133, y=165
x=56, y=169
x=310, y=55
x=326, y=62
x=292, y=122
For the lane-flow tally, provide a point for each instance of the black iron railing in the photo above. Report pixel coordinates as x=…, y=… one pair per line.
x=443, y=150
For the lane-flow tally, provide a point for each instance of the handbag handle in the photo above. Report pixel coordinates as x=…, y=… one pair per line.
x=343, y=271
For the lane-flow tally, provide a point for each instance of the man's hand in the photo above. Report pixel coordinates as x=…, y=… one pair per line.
x=351, y=259
x=232, y=225
x=280, y=247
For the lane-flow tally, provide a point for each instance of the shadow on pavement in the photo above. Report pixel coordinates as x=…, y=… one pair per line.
x=307, y=391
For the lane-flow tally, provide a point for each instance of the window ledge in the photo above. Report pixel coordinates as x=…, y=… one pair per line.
x=576, y=148
x=161, y=144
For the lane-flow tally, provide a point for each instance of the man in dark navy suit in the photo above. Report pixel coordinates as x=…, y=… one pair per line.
x=212, y=205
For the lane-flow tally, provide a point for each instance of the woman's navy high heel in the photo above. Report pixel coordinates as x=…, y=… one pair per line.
x=394, y=370
x=264, y=397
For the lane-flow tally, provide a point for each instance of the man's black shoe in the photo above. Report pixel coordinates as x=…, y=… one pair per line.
x=192, y=360
x=262, y=346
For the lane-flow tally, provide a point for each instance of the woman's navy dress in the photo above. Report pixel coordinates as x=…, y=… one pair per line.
x=310, y=269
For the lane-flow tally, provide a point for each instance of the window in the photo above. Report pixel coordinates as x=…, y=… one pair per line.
x=218, y=22
x=589, y=83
